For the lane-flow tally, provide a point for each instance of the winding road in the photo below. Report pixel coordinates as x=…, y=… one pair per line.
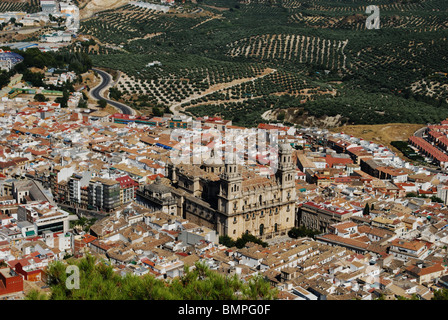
x=97, y=92
x=419, y=133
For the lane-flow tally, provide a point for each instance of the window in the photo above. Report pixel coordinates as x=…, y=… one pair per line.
x=261, y=229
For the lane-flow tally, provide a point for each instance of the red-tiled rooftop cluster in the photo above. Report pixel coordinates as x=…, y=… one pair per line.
x=428, y=149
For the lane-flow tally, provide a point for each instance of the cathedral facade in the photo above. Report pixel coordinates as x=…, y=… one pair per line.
x=233, y=201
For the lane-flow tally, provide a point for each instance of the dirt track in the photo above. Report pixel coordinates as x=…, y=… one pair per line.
x=220, y=86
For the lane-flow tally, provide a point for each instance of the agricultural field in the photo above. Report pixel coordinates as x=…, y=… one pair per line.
x=435, y=85
x=174, y=79
x=19, y=5
x=302, y=49
x=275, y=83
x=124, y=24
x=315, y=58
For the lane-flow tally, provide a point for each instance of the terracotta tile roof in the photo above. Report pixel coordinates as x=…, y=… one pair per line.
x=429, y=148
x=348, y=241
x=410, y=245
x=426, y=270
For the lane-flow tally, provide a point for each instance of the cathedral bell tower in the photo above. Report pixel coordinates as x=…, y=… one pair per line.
x=285, y=174
x=231, y=180
x=230, y=189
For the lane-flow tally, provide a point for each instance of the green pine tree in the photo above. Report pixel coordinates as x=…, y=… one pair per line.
x=98, y=281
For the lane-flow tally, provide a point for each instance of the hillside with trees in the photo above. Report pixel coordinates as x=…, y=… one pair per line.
x=35, y=59
x=232, y=57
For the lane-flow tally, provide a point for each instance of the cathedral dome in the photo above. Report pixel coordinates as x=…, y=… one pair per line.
x=157, y=187
x=284, y=148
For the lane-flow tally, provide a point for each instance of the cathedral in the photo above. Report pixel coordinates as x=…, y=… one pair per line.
x=231, y=199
